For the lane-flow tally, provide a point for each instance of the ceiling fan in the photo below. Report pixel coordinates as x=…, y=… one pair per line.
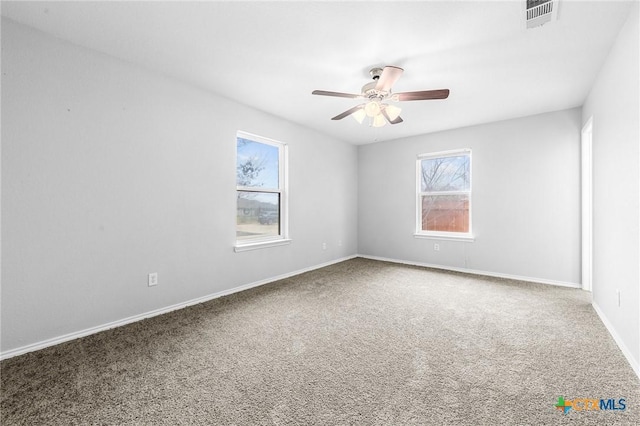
x=377, y=93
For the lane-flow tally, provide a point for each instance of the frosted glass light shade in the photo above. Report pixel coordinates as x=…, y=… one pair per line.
x=392, y=111
x=359, y=115
x=379, y=121
x=372, y=108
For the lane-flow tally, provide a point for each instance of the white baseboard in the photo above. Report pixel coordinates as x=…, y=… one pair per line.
x=475, y=272
x=88, y=331
x=612, y=331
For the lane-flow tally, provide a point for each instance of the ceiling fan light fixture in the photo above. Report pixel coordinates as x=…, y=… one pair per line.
x=359, y=115
x=393, y=111
x=378, y=121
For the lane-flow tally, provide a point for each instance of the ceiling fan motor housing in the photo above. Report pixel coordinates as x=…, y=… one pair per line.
x=369, y=90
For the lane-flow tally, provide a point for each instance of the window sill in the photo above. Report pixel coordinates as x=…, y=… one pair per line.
x=464, y=237
x=260, y=245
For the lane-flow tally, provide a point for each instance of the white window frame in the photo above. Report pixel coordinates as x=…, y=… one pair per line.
x=283, y=190
x=443, y=235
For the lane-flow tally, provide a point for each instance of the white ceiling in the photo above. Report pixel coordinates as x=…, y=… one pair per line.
x=271, y=55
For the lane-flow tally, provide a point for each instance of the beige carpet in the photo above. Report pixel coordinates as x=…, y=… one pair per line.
x=361, y=342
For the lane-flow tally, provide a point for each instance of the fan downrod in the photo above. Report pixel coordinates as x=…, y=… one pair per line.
x=375, y=73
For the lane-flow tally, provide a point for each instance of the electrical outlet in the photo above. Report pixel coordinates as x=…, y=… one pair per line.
x=153, y=279
x=339, y=243
x=436, y=247
x=618, y=295
x=324, y=246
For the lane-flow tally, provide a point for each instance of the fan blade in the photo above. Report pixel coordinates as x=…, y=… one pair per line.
x=337, y=94
x=388, y=78
x=423, y=95
x=348, y=112
x=396, y=121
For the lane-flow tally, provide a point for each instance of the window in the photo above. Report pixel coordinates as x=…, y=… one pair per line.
x=261, y=209
x=444, y=195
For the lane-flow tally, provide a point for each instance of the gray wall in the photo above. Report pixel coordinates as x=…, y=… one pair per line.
x=613, y=104
x=110, y=172
x=526, y=198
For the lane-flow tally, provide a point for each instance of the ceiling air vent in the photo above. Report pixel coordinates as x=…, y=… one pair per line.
x=540, y=12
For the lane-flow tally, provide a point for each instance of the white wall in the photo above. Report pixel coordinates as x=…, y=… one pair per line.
x=613, y=103
x=110, y=172
x=526, y=205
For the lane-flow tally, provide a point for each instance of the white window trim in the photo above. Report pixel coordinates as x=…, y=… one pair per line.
x=255, y=245
x=283, y=178
x=468, y=237
x=443, y=235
